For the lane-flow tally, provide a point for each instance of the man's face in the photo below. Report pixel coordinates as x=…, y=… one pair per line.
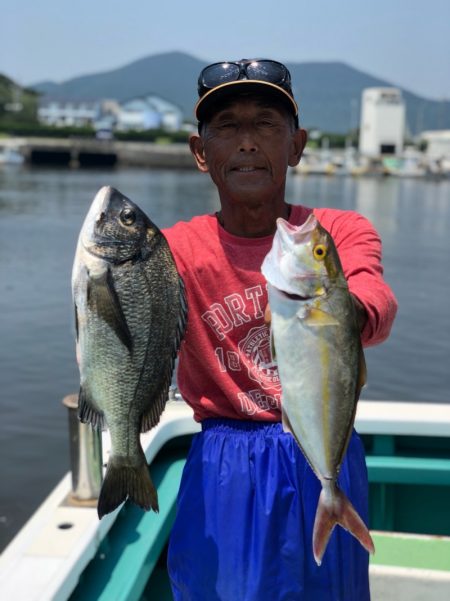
x=247, y=147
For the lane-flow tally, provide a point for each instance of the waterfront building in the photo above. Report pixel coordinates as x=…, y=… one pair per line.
x=437, y=150
x=150, y=112
x=437, y=144
x=171, y=114
x=139, y=114
x=68, y=113
x=382, y=126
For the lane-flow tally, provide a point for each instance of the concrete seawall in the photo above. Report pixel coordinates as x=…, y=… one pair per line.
x=79, y=152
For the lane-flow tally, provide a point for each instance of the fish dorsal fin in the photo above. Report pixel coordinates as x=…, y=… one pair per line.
x=103, y=300
x=317, y=317
x=151, y=417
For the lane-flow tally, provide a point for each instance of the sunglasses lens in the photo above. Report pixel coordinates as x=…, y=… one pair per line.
x=266, y=71
x=215, y=75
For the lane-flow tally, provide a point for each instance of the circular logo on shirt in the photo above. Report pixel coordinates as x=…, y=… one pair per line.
x=255, y=349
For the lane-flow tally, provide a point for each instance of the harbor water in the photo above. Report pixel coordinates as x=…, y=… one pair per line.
x=41, y=212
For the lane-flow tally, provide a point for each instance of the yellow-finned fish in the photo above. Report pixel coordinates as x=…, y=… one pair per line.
x=317, y=345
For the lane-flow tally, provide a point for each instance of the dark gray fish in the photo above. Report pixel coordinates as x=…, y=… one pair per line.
x=320, y=360
x=130, y=313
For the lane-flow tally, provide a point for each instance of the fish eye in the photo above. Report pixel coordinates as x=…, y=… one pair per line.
x=320, y=252
x=127, y=216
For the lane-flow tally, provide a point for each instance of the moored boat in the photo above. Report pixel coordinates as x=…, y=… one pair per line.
x=315, y=163
x=10, y=156
x=410, y=164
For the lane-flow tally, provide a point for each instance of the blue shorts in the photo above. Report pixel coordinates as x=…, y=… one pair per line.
x=246, y=509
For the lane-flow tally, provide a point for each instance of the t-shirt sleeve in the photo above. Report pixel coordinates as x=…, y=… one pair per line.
x=360, y=250
x=179, y=245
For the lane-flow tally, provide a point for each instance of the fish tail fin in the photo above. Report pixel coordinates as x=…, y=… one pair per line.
x=335, y=508
x=125, y=481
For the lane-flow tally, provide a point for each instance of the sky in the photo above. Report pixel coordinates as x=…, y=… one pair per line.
x=406, y=42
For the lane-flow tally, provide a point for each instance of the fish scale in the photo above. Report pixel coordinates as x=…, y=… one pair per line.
x=130, y=314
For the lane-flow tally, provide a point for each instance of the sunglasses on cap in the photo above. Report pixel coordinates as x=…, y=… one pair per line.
x=265, y=70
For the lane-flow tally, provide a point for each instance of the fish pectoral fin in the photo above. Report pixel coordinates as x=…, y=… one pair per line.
x=317, y=317
x=103, y=299
x=88, y=413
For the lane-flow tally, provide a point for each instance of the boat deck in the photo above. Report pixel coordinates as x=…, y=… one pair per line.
x=65, y=552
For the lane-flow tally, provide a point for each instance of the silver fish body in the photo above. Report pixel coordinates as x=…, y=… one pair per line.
x=130, y=314
x=318, y=350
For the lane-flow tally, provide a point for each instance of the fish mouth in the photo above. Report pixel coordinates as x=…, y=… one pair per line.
x=91, y=243
x=310, y=293
x=299, y=231
x=296, y=297
x=111, y=250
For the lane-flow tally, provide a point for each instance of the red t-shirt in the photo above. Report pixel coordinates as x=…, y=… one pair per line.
x=225, y=367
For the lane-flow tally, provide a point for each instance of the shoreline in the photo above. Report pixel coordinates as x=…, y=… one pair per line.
x=90, y=152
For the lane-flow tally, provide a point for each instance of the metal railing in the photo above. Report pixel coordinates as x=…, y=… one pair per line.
x=86, y=457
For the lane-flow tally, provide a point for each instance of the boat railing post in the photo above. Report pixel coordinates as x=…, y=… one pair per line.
x=86, y=458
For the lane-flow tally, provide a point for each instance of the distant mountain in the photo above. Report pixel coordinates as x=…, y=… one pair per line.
x=172, y=76
x=329, y=93
x=47, y=87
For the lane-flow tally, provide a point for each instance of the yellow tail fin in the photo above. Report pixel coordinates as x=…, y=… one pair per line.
x=334, y=508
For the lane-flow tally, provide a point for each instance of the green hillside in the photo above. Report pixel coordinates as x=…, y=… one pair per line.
x=17, y=104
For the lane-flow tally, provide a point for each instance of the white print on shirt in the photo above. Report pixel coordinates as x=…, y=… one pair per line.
x=254, y=354
x=233, y=362
x=222, y=320
x=256, y=401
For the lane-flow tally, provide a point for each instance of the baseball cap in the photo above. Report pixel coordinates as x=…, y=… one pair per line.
x=233, y=78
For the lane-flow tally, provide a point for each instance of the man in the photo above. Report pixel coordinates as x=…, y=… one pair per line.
x=247, y=500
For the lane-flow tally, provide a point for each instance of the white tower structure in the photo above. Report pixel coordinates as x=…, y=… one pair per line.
x=382, y=127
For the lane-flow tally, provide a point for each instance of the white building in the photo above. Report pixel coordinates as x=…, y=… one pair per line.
x=382, y=128
x=171, y=114
x=61, y=113
x=77, y=113
x=137, y=115
x=151, y=112
x=438, y=143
